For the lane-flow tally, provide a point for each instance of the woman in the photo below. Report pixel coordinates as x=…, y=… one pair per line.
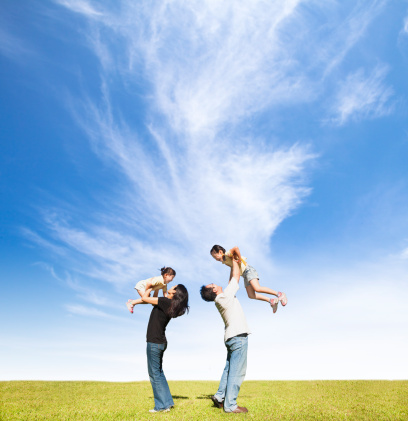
x=175, y=305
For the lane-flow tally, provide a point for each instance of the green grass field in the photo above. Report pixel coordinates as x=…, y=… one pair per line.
x=266, y=400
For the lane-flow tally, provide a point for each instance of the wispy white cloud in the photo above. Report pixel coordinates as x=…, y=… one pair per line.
x=82, y=7
x=338, y=40
x=84, y=291
x=81, y=310
x=362, y=96
x=405, y=27
x=12, y=46
x=194, y=179
x=404, y=254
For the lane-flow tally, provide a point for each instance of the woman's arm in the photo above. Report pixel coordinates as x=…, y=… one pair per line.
x=150, y=300
x=156, y=293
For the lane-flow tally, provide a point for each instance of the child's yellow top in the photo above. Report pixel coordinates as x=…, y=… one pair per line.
x=156, y=281
x=228, y=261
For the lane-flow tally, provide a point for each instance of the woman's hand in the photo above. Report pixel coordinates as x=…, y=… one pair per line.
x=146, y=294
x=147, y=299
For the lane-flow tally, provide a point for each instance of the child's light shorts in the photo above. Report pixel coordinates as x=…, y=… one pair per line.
x=249, y=274
x=141, y=286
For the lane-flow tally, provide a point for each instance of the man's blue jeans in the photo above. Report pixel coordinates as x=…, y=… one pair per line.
x=161, y=391
x=234, y=372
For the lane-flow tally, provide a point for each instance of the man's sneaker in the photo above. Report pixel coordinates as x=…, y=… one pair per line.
x=160, y=410
x=239, y=410
x=274, y=304
x=217, y=403
x=282, y=298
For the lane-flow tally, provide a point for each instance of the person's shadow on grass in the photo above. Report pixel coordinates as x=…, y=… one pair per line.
x=204, y=397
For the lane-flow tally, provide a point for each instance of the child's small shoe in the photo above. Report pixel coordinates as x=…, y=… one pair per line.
x=282, y=298
x=274, y=304
x=129, y=305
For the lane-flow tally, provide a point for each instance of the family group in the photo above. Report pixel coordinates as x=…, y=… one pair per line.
x=174, y=303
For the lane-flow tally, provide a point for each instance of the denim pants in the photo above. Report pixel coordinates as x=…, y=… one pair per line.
x=161, y=391
x=234, y=372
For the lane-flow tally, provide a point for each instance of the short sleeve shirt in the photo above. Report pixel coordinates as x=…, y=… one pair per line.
x=156, y=329
x=231, y=311
x=156, y=281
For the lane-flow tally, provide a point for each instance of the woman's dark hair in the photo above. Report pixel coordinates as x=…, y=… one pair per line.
x=179, y=302
x=166, y=270
x=216, y=249
x=207, y=294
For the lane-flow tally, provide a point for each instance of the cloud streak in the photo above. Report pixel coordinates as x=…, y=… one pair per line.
x=362, y=96
x=193, y=176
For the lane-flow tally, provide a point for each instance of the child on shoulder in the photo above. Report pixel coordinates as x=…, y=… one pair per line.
x=250, y=275
x=155, y=283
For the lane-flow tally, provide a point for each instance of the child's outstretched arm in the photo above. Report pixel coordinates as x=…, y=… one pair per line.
x=150, y=300
x=235, y=252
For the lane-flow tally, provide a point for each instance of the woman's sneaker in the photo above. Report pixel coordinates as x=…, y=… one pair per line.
x=282, y=298
x=161, y=410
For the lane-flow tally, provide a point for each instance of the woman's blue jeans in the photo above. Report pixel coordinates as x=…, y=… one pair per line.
x=234, y=372
x=161, y=391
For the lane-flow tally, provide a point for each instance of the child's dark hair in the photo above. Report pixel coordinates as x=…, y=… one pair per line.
x=167, y=271
x=207, y=294
x=179, y=302
x=216, y=249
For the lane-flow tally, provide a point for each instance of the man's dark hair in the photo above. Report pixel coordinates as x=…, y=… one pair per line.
x=207, y=294
x=216, y=249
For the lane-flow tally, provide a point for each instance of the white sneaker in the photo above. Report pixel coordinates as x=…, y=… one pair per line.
x=161, y=410
x=282, y=298
x=274, y=304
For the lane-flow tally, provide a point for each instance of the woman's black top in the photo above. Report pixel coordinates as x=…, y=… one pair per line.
x=158, y=321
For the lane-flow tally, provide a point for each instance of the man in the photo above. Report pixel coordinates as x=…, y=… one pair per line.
x=236, y=340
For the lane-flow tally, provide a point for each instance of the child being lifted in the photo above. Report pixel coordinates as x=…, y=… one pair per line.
x=250, y=275
x=155, y=284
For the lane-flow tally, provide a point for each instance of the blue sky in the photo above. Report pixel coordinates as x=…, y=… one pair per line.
x=138, y=134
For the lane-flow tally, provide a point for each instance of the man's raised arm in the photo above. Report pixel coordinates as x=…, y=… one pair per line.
x=235, y=272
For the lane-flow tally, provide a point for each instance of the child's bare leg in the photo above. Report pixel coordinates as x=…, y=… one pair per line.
x=254, y=296
x=255, y=285
x=136, y=302
x=131, y=303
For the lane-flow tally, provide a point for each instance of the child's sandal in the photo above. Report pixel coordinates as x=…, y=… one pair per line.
x=129, y=306
x=274, y=304
x=282, y=298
